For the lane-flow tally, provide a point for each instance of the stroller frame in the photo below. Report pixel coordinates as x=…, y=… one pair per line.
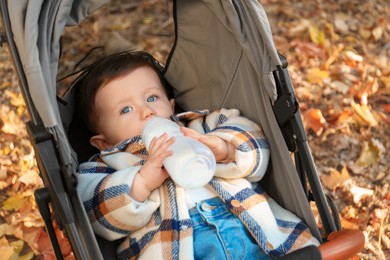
x=61, y=195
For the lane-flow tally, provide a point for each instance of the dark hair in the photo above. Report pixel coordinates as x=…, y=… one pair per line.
x=105, y=70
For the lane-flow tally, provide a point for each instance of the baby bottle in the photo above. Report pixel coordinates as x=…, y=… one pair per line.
x=192, y=164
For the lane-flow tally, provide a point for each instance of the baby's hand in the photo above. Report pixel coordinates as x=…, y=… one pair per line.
x=222, y=150
x=152, y=174
x=152, y=171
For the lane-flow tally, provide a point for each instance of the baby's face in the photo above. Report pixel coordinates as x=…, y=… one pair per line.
x=125, y=104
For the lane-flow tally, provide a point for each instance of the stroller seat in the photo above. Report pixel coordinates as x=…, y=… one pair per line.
x=223, y=56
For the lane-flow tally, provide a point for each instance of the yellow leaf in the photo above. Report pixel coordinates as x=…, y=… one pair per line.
x=17, y=245
x=16, y=98
x=371, y=153
x=15, y=202
x=316, y=75
x=364, y=114
x=6, y=229
x=317, y=35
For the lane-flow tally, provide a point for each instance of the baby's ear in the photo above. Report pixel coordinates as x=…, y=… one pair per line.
x=99, y=141
x=172, y=101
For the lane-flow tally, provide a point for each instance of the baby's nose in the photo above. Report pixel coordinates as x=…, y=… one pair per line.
x=148, y=112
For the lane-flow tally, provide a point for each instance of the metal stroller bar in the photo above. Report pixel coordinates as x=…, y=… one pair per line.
x=287, y=113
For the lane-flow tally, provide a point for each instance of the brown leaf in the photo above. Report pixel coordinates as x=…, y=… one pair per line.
x=335, y=179
x=343, y=117
x=31, y=178
x=314, y=120
x=308, y=48
x=341, y=25
x=364, y=33
x=6, y=249
x=377, y=33
x=386, y=108
x=349, y=224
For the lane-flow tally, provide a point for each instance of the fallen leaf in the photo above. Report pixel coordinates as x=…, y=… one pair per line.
x=377, y=33
x=6, y=229
x=348, y=224
x=384, y=117
x=14, y=202
x=352, y=59
x=44, y=246
x=386, y=108
x=358, y=193
x=372, y=152
x=3, y=173
x=341, y=25
x=317, y=35
x=300, y=27
x=16, y=99
x=364, y=115
x=317, y=76
x=385, y=241
x=344, y=117
x=314, y=120
x=378, y=214
x=308, y=48
x=335, y=179
x=6, y=249
x=31, y=178
x=17, y=245
x=340, y=87
x=364, y=33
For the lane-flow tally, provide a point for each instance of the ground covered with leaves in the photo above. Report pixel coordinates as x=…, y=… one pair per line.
x=339, y=60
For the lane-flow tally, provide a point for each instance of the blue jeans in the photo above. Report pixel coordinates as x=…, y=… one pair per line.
x=219, y=234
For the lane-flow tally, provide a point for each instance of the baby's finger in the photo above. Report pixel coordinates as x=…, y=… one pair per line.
x=158, y=158
x=186, y=130
x=191, y=133
x=210, y=141
x=161, y=145
x=157, y=141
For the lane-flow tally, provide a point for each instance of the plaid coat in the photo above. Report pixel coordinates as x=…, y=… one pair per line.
x=160, y=227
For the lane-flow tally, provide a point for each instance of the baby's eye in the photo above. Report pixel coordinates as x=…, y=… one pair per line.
x=126, y=110
x=151, y=98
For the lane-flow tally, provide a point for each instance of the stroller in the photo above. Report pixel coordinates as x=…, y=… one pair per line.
x=237, y=66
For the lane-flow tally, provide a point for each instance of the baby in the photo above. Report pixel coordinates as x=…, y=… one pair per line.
x=127, y=192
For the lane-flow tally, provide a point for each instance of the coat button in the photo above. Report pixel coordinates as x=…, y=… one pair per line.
x=206, y=207
x=269, y=245
x=235, y=203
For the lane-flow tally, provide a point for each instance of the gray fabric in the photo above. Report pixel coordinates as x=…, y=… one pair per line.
x=231, y=66
x=37, y=26
x=83, y=8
